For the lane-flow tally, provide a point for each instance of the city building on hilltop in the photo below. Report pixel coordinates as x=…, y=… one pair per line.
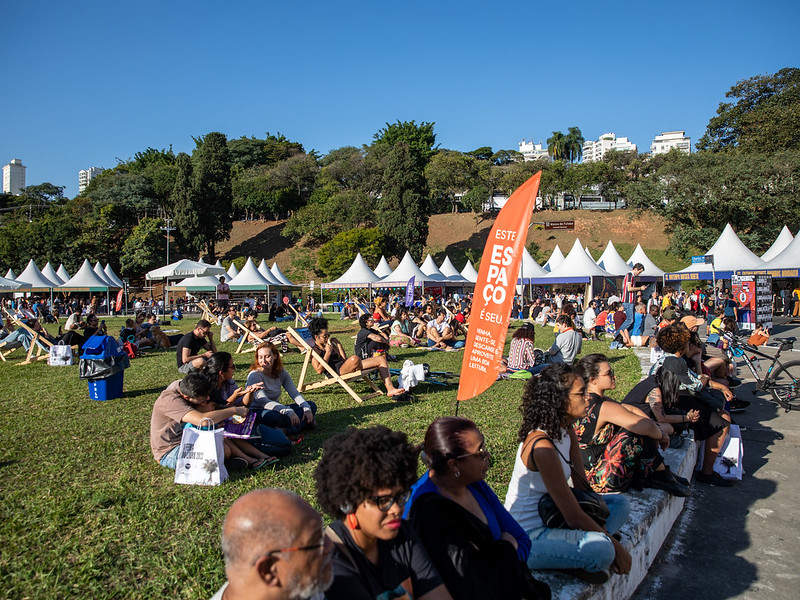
x=14, y=177
x=594, y=151
x=531, y=151
x=671, y=139
x=86, y=175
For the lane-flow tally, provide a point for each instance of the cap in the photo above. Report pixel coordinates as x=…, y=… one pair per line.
x=459, y=317
x=691, y=321
x=678, y=367
x=669, y=314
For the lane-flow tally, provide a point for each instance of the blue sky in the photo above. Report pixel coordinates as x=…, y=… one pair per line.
x=90, y=82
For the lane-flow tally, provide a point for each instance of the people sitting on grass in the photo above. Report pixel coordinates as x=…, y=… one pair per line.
x=637, y=337
x=333, y=353
x=547, y=457
x=189, y=357
x=401, y=332
x=379, y=314
x=697, y=392
x=92, y=326
x=362, y=482
x=440, y=334
x=274, y=547
x=478, y=548
x=370, y=340
x=522, y=354
x=228, y=329
x=568, y=342
x=268, y=372
x=619, y=443
x=590, y=320
x=187, y=401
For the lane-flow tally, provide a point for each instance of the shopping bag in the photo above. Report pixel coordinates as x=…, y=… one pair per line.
x=655, y=354
x=729, y=461
x=60, y=355
x=201, y=457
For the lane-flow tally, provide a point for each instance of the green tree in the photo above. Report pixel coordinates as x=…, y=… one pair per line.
x=557, y=146
x=186, y=209
x=41, y=194
x=573, y=146
x=144, y=247
x=212, y=186
x=449, y=173
x=338, y=254
x=764, y=117
x=419, y=139
x=506, y=157
x=482, y=153
x=475, y=199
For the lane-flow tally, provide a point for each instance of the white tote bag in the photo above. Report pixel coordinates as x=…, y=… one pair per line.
x=60, y=355
x=729, y=462
x=201, y=457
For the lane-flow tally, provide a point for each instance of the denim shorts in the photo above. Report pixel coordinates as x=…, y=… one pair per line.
x=170, y=459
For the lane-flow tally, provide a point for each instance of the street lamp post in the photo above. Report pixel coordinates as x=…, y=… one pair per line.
x=168, y=229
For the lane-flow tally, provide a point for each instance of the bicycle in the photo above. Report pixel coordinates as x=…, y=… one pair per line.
x=782, y=379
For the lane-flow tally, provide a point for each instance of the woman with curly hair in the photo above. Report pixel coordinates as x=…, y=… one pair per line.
x=363, y=481
x=522, y=354
x=619, y=443
x=477, y=546
x=550, y=404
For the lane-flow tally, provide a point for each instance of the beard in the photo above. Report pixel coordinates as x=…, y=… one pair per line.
x=303, y=587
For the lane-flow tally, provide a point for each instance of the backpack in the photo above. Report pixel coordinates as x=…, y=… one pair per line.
x=131, y=349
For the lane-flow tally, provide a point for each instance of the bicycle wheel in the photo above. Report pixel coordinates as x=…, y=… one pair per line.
x=785, y=385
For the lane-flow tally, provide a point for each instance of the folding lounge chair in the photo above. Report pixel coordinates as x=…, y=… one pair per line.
x=363, y=309
x=248, y=336
x=7, y=348
x=38, y=344
x=300, y=318
x=207, y=314
x=304, y=339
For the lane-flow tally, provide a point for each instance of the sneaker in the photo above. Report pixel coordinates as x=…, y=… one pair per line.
x=734, y=381
x=590, y=576
x=738, y=406
x=713, y=479
x=663, y=480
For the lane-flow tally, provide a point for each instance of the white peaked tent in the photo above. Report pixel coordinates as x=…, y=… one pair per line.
x=357, y=275
x=98, y=269
x=232, y=271
x=63, y=273
x=278, y=274
x=588, y=252
x=202, y=262
x=383, y=268
x=405, y=271
x=9, y=285
x=206, y=283
x=431, y=270
x=612, y=262
x=85, y=280
x=184, y=268
x=556, y=258
x=786, y=264
x=784, y=238
x=529, y=268
x=730, y=255
x=650, y=268
x=225, y=275
x=10, y=274
x=34, y=276
x=576, y=267
x=50, y=273
x=469, y=273
x=264, y=270
x=112, y=276
x=448, y=269
x=250, y=278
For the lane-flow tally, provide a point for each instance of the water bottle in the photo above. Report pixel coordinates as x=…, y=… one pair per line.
x=756, y=362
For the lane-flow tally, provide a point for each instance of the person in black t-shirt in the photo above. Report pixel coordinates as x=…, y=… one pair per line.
x=188, y=355
x=369, y=340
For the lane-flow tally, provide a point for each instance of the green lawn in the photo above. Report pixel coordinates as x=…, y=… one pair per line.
x=87, y=512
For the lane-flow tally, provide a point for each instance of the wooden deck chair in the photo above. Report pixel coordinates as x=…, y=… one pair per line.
x=300, y=318
x=39, y=344
x=304, y=339
x=248, y=336
x=207, y=314
x=7, y=348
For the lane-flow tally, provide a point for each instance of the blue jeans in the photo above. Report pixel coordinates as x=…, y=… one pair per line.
x=629, y=317
x=272, y=418
x=170, y=459
x=19, y=335
x=273, y=441
x=577, y=549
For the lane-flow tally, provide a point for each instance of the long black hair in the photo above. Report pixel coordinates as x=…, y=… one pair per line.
x=545, y=401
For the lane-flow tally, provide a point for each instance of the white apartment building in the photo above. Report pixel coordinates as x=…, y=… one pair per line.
x=86, y=175
x=531, y=151
x=594, y=151
x=14, y=177
x=671, y=139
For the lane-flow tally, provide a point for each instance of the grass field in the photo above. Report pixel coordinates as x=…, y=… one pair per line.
x=87, y=512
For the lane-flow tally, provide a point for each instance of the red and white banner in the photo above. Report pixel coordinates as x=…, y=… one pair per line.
x=494, y=291
x=118, y=307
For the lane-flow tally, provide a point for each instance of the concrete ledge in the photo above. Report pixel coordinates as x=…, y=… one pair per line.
x=653, y=513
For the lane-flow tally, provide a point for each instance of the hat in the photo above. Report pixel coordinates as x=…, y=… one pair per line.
x=691, y=321
x=459, y=317
x=678, y=367
x=669, y=314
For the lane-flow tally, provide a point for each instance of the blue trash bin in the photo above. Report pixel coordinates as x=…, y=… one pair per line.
x=102, y=363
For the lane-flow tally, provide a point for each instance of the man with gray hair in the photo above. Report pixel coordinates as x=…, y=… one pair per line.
x=275, y=548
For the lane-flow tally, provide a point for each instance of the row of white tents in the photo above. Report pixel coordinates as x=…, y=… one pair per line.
x=360, y=275
x=87, y=278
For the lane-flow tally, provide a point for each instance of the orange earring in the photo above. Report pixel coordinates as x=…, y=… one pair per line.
x=352, y=521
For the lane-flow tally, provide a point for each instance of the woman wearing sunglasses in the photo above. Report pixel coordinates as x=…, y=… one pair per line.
x=363, y=481
x=619, y=443
x=477, y=546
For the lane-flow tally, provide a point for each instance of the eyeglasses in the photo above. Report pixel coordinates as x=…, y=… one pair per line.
x=384, y=503
x=481, y=453
x=609, y=374
x=320, y=548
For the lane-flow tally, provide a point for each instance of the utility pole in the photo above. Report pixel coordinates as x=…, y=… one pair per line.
x=168, y=229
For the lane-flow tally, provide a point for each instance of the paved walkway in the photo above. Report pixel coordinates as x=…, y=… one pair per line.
x=744, y=541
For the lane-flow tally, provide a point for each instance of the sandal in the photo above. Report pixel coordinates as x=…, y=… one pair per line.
x=270, y=460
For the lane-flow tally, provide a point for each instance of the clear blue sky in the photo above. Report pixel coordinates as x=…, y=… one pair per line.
x=87, y=82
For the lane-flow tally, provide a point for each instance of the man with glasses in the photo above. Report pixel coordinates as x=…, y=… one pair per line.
x=189, y=346
x=274, y=548
x=229, y=331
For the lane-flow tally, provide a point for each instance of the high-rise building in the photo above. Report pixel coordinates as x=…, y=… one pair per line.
x=594, y=151
x=671, y=139
x=86, y=175
x=531, y=151
x=14, y=177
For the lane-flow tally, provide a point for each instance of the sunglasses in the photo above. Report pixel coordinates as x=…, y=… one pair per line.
x=481, y=453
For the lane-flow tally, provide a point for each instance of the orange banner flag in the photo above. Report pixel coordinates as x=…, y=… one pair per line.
x=494, y=291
